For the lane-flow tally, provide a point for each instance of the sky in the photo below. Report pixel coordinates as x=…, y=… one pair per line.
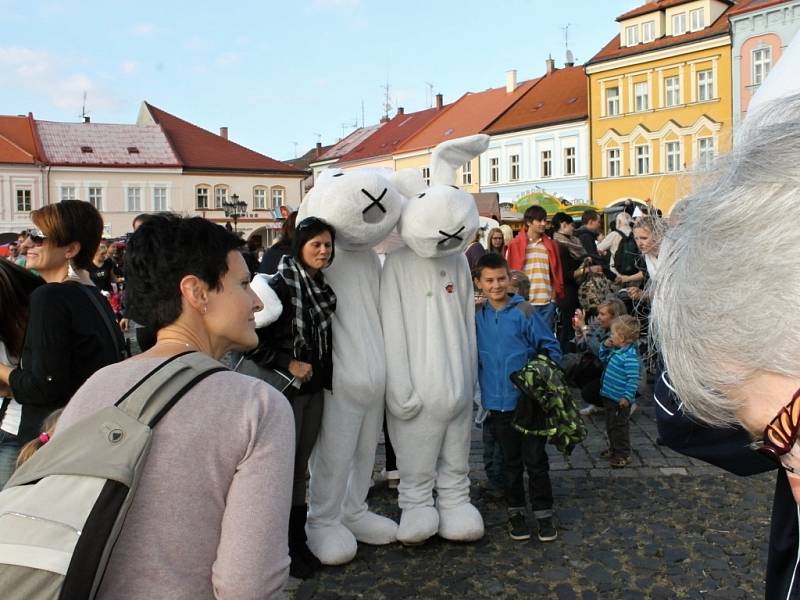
x=280, y=75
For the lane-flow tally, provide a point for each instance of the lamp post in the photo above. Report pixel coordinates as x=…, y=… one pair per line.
x=234, y=209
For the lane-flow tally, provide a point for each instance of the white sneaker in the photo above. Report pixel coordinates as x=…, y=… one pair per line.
x=589, y=410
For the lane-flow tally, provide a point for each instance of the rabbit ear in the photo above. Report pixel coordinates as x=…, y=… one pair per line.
x=449, y=156
x=408, y=181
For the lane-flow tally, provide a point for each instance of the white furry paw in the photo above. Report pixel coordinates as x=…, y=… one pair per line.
x=462, y=523
x=332, y=545
x=373, y=529
x=417, y=525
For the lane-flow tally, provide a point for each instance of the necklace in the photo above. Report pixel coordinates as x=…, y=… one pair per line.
x=166, y=341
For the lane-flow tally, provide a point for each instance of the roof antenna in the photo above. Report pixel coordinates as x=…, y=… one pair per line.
x=295, y=148
x=570, y=58
x=387, y=103
x=429, y=94
x=319, y=137
x=84, y=116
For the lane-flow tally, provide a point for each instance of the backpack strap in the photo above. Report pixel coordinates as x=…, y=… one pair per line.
x=151, y=398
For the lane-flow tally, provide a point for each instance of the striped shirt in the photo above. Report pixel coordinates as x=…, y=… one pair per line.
x=621, y=373
x=537, y=268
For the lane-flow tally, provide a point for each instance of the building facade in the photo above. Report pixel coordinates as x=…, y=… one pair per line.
x=660, y=99
x=21, y=174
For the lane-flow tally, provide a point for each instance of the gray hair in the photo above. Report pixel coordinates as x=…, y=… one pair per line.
x=726, y=294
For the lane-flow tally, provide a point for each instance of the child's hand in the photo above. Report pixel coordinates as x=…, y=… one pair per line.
x=624, y=403
x=608, y=343
x=578, y=320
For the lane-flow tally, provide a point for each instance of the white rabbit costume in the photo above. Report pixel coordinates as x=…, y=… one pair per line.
x=428, y=315
x=363, y=207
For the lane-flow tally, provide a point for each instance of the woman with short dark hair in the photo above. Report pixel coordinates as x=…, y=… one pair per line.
x=282, y=246
x=209, y=518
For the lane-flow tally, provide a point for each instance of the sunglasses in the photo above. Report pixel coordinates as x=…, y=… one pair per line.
x=309, y=222
x=780, y=437
x=37, y=236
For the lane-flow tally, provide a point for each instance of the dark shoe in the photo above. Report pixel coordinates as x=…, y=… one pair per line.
x=309, y=557
x=517, y=527
x=299, y=568
x=619, y=462
x=304, y=563
x=547, y=529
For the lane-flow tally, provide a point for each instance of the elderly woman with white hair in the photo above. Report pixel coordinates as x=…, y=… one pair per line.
x=725, y=301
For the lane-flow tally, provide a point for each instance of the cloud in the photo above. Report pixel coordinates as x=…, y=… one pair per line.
x=143, y=29
x=129, y=67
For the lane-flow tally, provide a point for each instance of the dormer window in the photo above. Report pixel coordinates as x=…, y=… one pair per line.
x=679, y=24
x=632, y=35
x=86, y=149
x=697, y=19
x=133, y=150
x=648, y=31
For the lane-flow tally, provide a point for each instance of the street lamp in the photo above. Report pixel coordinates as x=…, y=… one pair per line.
x=234, y=209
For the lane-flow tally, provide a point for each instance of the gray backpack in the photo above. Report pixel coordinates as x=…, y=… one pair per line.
x=62, y=511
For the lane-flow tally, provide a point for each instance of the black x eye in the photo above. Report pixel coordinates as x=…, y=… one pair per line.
x=338, y=174
x=455, y=187
x=420, y=195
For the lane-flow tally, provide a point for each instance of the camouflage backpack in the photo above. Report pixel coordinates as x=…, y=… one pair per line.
x=546, y=407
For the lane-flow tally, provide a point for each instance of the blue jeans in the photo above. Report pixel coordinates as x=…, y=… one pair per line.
x=9, y=448
x=548, y=313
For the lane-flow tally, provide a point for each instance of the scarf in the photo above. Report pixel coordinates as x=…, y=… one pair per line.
x=571, y=243
x=315, y=296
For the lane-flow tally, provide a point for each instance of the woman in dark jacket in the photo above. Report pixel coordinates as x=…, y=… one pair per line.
x=299, y=343
x=282, y=246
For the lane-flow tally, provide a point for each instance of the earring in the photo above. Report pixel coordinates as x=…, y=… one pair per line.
x=71, y=272
x=204, y=310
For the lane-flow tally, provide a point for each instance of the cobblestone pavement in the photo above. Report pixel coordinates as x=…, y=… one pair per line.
x=664, y=527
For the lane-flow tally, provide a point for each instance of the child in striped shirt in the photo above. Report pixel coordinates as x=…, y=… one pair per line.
x=619, y=384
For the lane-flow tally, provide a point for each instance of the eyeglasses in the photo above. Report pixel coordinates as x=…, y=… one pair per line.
x=309, y=222
x=37, y=236
x=779, y=441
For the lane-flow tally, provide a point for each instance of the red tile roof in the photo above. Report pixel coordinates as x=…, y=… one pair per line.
x=746, y=6
x=614, y=50
x=346, y=144
x=393, y=133
x=198, y=148
x=469, y=115
x=17, y=141
x=559, y=97
x=655, y=5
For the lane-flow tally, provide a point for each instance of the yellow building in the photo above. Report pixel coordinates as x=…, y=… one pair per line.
x=660, y=101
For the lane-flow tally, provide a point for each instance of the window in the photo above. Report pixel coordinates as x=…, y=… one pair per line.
x=547, y=163
x=277, y=197
x=641, y=96
x=201, y=197
x=632, y=35
x=68, y=192
x=160, y=199
x=513, y=174
x=697, y=19
x=614, y=163
x=426, y=175
x=24, y=201
x=494, y=170
x=648, y=31
x=705, y=152
x=220, y=196
x=705, y=85
x=259, y=198
x=134, y=197
x=569, y=161
x=466, y=173
x=673, y=153
x=612, y=101
x=96, y=197
x=679, y=24
x=672, y=91
x=762, y=62
x=643, y=160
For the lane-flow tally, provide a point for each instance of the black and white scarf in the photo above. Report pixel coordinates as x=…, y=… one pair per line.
x=321, y=306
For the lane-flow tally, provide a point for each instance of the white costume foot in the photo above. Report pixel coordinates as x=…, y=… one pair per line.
x=461, y=524
x=417, y=525
x=372, y=529
x=332, y=545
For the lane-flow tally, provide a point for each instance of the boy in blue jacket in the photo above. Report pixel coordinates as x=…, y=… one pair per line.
x=509, y=334
x=619, y=384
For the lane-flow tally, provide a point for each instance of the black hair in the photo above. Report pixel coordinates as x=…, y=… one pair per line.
x=535, y=213
x=141, y=218
x=490, y=260
x=162, y=251
x=589, y=215
x=306, y=229
x=287, y=230
x=559, y=218
x=16, y=286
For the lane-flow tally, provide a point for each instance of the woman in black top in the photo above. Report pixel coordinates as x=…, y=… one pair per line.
x=281, y=247
x=101, y=270
x=300, y=343
x=68, y=338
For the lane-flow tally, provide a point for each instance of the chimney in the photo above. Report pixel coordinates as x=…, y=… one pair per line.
x=439, y=101
x=223, y=132
x=318, y=149
x=87, y=119
x=511, y=80
x=401, y=110
x=551, y=64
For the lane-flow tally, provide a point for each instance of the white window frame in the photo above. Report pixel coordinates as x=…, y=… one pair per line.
x=612, y=102
x=63, y=193
x=277, y=196
x=154, y=192
x=570, y=161
x=762, y=64
x=27, y=203
x=697, y=19
x=673, y=162
x=642, y=159
x=648, y=31
x=94, y=196
x=494, y=169
x=260, y=198
x=466, y=173
x=631, y=35
x=613, y=162
x=136, y=205
x=208, y=191
x=513, y=170
x=680, y=19
x=546, y=163
x=672, y=91
x=641, y=96
x=426, y=175
x=705, y=85
x=705, y=152
x=220, y=198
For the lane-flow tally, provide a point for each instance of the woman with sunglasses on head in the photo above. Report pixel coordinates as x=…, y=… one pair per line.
x=299, y=343
x=724, y=312
x=71, y=329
